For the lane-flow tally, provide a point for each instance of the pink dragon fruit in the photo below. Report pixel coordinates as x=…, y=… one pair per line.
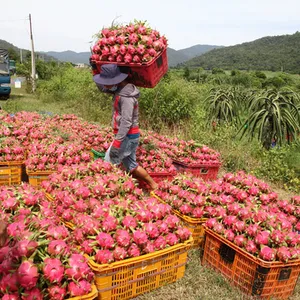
x=152, y=230
x=284, y=254
x=28, y=274
x=133, y=251
x=197, y=212
x=33, y=294
x=24, y=248
x=183, y=233
x=58, y=247
x=219, y=228
x=162, y=227
x=9, y=283
x=119, y=253
x=210, y=223
x=57, y=292
x=252, y=230
x=229, y=220
x=240, y=240
x=171, y=239
x=266, y=253
x=149, y=247
x=185, y=209
x=109, y=224
x=229, y=235
x=129, y=222
x=78, y=268
x=86, y=247
x=122, y=237
x=104, y=256
x=105, y=240
x=251, y=247
x=262, y=238
x=82, y=287
x=140, y=237
x=239, y=226
x=160, y=243
x=53, y=270
x=277, y=237
x=10, y=297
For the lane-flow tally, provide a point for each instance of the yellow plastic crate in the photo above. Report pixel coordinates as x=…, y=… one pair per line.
x=92, y=295
x=36, y=178
x=11, y=172
x=195, y=225
x=135, y=276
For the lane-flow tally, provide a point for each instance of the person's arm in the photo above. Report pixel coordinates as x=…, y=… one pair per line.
x=3, y=233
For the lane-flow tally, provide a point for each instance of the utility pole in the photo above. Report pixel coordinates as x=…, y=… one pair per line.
x=32, y=57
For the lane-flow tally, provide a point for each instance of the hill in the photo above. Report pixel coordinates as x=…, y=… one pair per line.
x=272, y=53
x=25, y=53
x=175, y=57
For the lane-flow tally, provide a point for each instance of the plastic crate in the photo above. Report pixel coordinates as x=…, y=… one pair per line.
x=195, y=225
x=252, y=275
x=97, y=155
x=207, y=172
x=11, y=172
x=36, y=178
x=92, y=295
x=134, y=276
x=144, y=75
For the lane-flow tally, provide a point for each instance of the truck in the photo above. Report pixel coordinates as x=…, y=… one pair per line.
x=4, y=75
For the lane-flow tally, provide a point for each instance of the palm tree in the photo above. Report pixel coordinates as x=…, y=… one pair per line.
x=273, y=116
x=222, y=105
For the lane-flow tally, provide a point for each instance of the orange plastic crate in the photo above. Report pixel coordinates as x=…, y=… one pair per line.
x=254, y=276
x=194, y=225
x=92, y=295
x=11, y=172
x=144, y=75
x=134, y=276
x=207, y=172
x=36, y=178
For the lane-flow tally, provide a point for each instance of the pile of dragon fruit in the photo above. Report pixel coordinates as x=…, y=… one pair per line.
x=135, y=43
x=241, y=208
x=110, y=217
x=188, y=153
x=38, y=260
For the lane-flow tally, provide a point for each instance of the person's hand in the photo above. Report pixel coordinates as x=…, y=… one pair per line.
x=3, y=233
x=114, y=154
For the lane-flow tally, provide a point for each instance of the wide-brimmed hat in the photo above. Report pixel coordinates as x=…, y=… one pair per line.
x=110, y=74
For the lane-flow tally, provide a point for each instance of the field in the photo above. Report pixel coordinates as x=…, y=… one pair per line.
x=199, y=283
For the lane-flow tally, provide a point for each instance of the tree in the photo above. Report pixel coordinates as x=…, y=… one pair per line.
x=273, y=116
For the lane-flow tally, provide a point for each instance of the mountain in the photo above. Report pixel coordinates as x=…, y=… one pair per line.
x=272, y=53
x=71, y=56
x=15, y=52
x=175, y=57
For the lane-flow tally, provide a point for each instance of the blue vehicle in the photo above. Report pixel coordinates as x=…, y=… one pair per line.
x=4, y=75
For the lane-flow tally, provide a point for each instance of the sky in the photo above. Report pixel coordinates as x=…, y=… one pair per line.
x=60, y=25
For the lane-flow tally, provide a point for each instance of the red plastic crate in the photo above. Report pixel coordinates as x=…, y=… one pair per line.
x=158, y=177
x=252, y=275
x=207, y=172
x=144, y=75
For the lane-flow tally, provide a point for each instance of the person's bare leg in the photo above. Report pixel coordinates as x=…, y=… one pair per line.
x=142, y=174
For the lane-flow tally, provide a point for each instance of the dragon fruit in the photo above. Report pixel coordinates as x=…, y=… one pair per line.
x=122, y=237
x=57, y=292
x=133, y=250
x=105, y=240
x=266, y=253
x=284, y=254
x=82, y=287
x=160, y=243
x=251, y=247
x=262, y=238
x=33, y=294
x=109, y=224
x=119, y=253
x=10, y=297
x=9, y=283
x=171, y=239
x=240, y=240
x=104, y=256
x=58, y=247
x=183, y=233
x=53, y=270
x=152, y=230
x=149, y=247
x=140, y=237
x=28, y=274
x=129, y=222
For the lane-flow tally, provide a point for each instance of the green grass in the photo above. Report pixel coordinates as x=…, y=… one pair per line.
x=199, y=283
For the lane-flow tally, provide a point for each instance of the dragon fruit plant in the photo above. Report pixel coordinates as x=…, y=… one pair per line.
x=135, y=43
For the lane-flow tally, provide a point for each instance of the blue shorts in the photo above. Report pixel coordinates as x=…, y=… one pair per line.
x=127, y=154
